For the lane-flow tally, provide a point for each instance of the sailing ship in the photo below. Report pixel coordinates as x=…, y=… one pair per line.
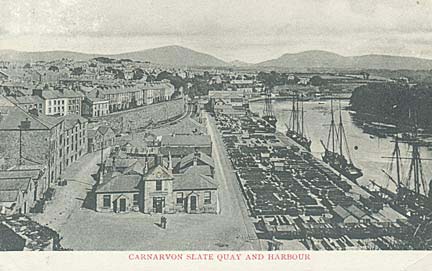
x=268, y=114
x=295, y=126
x=333, y=150
x=412, y=197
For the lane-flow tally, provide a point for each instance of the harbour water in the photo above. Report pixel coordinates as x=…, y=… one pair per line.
x=367, y=150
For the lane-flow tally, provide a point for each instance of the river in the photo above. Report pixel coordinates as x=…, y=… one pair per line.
x=367, y=151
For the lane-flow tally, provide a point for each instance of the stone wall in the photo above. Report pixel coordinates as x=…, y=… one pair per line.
x=139, y=118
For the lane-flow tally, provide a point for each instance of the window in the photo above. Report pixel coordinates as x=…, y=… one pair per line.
x=107, y=201
x=135, y=199
x=207, y=197
x=159, y=185
x=179, y=198
x=49, y=110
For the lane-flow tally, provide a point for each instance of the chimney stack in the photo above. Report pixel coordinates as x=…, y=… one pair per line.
x=170, y=165
x=195, y=158
x=145, y=170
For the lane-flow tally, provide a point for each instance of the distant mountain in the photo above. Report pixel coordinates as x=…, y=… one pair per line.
x=238, y=63
x=174, y=55
x=181, y=56
x=169, y=55
x=12, y=55
x=324, y=59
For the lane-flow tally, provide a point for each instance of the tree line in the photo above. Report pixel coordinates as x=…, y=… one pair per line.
x=401, y=103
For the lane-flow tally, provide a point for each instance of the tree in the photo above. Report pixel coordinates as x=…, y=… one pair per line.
x=150, y=78
x=77, y=71
x=138, y=74
x=53, y=68
x=119, y=74
x=317, y=80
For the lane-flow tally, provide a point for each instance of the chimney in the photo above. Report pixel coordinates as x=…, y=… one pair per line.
x=170, y=165
x=114, y=164
x=195, y=158
x=159, y=159
x=145, y=170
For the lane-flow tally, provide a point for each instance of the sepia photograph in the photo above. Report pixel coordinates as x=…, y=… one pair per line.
x=282, y=127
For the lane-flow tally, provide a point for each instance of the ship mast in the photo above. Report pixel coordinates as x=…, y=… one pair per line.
x=332, y=132
x=293, y=113
x=396, y=153
x=302, y=118
x=297, y=115
x=268, y=109
x=341, y=131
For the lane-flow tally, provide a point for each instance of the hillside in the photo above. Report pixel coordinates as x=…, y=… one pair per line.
x=173, y=55
x=169, y=55
x=323, y=59
x=181, y=56
x=12, y=55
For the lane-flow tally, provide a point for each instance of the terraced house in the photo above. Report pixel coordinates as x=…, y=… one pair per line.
x=122, y=97
x=75, y=137
x=61, y=101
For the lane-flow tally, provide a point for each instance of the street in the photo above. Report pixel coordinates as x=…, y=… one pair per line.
x=85, y=229
x=70, y=198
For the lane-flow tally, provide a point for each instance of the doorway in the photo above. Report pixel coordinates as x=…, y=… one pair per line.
x=122, y=205
x=193, y=203
x=158, y=204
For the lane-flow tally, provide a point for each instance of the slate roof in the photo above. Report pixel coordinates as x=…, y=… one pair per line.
x=9, y=195
x=198, y=170
x=120, y=183
x=136, y=168
x=57, y=94
x=27, y=100
x=11, y=119
x=14, y=184
x=186, y=140
x=193, y=181
x=18, y=174
x=72, y=119
x=204, y=158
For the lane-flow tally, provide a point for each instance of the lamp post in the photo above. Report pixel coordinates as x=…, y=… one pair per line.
x=25, y=125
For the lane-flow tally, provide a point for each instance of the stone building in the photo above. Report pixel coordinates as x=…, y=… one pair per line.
x=98, y=136
x=156, y=189
x=75, y=136
x=95, y=107
x=41, y=142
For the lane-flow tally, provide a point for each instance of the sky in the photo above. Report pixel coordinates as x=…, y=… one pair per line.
x=246, y=30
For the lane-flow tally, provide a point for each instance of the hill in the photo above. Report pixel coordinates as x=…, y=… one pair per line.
x=168, y=55
x=12, y=55
x=173, y=55
x=324, y=59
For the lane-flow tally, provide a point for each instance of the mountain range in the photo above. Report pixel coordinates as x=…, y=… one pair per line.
x=181, y=56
